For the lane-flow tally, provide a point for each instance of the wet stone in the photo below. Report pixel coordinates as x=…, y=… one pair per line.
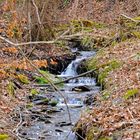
x=61, y=124
x=41, y=102
x=53, y=110
x=90, y=99
x=58, y=130
x=81, y=88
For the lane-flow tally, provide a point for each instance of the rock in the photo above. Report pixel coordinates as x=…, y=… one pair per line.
x=58, y=130
x=81, y=88
x=2, y=125
x=90, y=99
x=53, y=110
x=82, y=67
x=61, y=124
x=53, y=102
x=62, y=63
x=42, y=102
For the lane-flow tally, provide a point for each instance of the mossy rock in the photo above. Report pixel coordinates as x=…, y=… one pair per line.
x=23, y=79
x=92, y=63
x=92, y=133
x=102, y=69
x=102, y=76
x=34, y=92
x=41, y=80
x=87, y=41
x=85, y=25
x=110, y=66
x=52, y=78
x=53, y=102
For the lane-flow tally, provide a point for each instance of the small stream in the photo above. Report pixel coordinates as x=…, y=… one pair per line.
x=50, y=122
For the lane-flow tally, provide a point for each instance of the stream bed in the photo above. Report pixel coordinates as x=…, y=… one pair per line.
x=55, y=121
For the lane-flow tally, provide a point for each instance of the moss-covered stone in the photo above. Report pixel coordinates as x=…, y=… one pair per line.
x=51, y=77
x=86, y=40
x=34, y=92
x=94, y=62
x=92, y=133
x=112, y=65
x=102, y=69
x=53, y=102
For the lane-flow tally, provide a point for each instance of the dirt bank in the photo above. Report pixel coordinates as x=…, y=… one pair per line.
x=116, y=112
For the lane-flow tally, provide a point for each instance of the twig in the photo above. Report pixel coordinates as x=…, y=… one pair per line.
x=127, y=17
x=18, y=125
x=37, y=12
x=29, y=20
x=79, y=136
x=130, y=113
x=26, y=43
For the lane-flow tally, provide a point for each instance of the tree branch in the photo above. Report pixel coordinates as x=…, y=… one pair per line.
x=127, y=17
x=37, y=12
x=26, y=43
x=68, y=79
x=61, y=37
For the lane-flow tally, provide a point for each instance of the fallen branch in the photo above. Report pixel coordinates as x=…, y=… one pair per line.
x=62, y=37
x=26, y=43
x=66, y=80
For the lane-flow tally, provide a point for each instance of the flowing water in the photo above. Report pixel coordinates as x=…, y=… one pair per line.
x=55, y=123
x=71, y=70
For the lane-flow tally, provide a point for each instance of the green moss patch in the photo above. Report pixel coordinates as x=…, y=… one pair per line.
x=92, y=133
x=51, y=77
x=112, y=65
x=136, y=34
x=131, y=93
x=4, y=137
x=105, y=95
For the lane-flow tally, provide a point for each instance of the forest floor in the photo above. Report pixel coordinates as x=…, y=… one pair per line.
x=116, y=114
